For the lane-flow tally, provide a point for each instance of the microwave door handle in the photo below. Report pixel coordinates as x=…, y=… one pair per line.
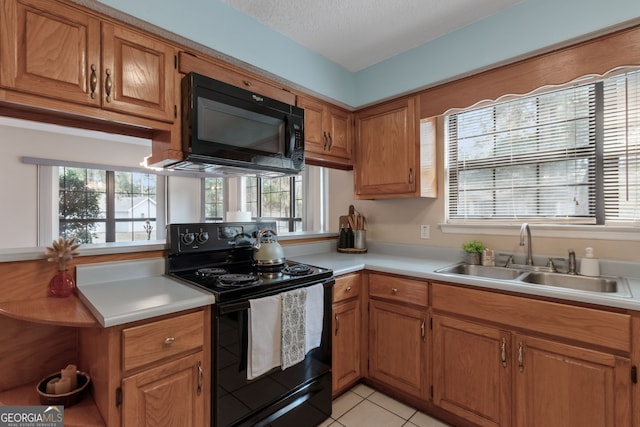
x=292, y=136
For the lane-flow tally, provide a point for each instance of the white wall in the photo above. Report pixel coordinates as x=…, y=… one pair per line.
x=19, y=189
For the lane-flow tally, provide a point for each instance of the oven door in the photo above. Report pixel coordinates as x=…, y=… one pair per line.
x=300, y=395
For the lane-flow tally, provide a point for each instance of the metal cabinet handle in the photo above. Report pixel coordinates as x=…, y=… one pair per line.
x=247, y=83
x=394, y=291
x=200, y=377
x=330, y=141
x=326, y=140
x=169, y=340
x=93, y=81
x=422, y=334
x=520, y=357
x=337, y=324
x=108, y=85
x=410, y=175
x=503, y=352
x=348, y=289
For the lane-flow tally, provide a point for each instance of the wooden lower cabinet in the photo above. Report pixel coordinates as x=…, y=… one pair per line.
x=154, y=372
x=471, y=371
x=398, y=316
x=346, y=324
x=559, y=385
x=494, y=365
x=167, y=395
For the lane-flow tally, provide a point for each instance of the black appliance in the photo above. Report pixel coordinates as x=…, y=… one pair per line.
x=230, y=130
x=218, y=257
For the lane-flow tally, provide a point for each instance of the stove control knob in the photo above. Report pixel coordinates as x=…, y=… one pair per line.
x=202, y=237
x=187, y=238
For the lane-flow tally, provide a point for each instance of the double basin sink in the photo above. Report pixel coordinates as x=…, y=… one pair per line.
x=527, y=274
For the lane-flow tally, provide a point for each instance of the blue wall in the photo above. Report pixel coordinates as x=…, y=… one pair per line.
x=528, y=26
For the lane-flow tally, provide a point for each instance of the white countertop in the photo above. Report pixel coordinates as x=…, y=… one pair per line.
x=127, y=291
x=422, y=262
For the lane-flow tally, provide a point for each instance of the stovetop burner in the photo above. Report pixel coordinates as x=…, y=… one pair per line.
x=297, y=270
x=211, y=272
x=237, y=280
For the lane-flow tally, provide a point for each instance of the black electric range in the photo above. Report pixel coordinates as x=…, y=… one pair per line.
x=218, y=257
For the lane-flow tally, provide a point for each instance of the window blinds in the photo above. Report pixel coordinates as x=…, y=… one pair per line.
x=622, y=147
x=529, y=158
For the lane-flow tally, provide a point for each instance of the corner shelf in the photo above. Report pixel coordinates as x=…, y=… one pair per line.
x=68, y=311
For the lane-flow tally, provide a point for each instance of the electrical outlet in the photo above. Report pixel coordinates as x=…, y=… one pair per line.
x=424, y=231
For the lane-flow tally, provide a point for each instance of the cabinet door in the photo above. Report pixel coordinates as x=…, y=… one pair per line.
x=168, y=395
x=346, y=344
x=472, y=371
x=51, y=50
x=386, y=154
x=315, y=137
x=339, y=125
x=397, y=343
x=559, y=385
x=138, y=74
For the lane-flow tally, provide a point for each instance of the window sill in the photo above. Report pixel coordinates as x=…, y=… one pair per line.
x=34, y=253
x=547, y=230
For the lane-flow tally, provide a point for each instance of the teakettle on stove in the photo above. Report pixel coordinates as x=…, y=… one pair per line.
x=267, y=251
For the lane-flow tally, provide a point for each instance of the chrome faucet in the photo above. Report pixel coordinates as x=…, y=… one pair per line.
x=572, y=262
x=525, y=228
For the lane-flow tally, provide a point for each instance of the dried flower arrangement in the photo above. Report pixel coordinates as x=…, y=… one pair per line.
x=62, y=251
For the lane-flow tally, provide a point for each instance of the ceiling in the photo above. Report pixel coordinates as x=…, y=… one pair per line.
x=359, y=33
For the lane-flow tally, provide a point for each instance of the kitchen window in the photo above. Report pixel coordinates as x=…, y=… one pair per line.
x=100, y=206
x=273, y=199
x=296, y=203
x=277, y=199
x=570, y=155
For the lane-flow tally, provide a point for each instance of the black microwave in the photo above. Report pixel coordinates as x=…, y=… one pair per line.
x=230, y=130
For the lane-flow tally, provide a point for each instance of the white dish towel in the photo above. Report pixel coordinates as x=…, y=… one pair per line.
x=314, y=310
x=264, y=337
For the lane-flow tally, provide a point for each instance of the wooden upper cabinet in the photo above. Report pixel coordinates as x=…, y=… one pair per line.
x=138, y=74
x=60, y=52
x=227, y=73
x=387, y=161
x=327, y=132
x=51, y=50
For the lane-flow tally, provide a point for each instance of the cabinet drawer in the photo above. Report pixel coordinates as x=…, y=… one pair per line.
x=346, y=287
x=155, y=341
x=398, y=289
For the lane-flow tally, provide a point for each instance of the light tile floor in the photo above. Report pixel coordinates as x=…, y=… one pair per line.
x=363, y=406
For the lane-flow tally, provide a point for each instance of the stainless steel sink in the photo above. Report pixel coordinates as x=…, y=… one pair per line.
x=532, y=275
x=617, y=285
x=481, y=271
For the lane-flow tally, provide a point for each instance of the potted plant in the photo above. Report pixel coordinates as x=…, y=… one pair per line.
x=473, y=248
